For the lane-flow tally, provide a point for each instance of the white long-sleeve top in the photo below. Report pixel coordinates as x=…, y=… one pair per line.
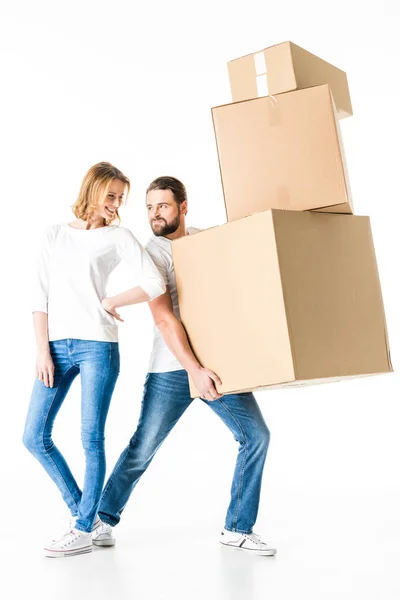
x=72, y=271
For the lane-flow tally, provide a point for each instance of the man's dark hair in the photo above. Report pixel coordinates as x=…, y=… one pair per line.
x=169, y=183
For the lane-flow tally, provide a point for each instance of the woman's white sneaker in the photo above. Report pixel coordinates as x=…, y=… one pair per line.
x=70, y=544
x=102, y=534
x=249, y=542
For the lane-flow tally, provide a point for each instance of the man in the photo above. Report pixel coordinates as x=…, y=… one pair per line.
x=167, y=396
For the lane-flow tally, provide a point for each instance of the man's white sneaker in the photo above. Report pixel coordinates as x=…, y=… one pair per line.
x=102, y=534
x=70, y=544
x=249, y=542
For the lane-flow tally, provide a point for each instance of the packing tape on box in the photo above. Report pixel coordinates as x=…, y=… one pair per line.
x=262, y=85
x=261, y=73
x=274, y=113
x=259, y=63
x=260, y=66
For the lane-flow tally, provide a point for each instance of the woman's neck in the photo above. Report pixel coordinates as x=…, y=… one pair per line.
x=81, y=224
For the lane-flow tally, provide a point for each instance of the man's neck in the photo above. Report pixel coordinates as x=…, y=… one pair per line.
x=180, y=232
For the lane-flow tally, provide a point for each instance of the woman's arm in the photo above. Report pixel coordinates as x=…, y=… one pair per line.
x=147, y=277
x=132, y=296
x=44, y=369
x=150, y=282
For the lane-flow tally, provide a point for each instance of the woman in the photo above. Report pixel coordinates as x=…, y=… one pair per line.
x=76, y=335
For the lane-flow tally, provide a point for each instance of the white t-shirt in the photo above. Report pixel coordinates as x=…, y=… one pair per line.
x=72, y=271
x=160, y=249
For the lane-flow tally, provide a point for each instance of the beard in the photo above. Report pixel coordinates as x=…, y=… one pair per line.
x=164, y=228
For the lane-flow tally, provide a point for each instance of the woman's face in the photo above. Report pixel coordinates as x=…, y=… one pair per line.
x=112, y=202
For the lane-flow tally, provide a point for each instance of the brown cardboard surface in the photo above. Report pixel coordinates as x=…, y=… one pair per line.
x=284, y=152
x=332, y=294
x=238, y=294
x=295, y=298
x=338, y=209
x=291, y=384
x=287, y=67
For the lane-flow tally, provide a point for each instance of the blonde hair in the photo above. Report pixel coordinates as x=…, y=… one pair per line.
x=94, y=190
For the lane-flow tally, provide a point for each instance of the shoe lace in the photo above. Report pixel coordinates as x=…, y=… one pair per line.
x=255, y=538
x=66, y=529
x=68, y=538
x=102, y=528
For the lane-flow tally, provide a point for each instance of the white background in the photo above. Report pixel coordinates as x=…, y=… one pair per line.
x=133, y=83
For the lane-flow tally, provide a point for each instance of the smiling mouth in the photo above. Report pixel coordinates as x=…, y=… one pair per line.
x=110, y=212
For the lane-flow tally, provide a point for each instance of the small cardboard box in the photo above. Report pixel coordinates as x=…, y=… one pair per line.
x=285, y=68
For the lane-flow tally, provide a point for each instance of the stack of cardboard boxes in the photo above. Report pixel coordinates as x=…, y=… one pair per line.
x=287, y=292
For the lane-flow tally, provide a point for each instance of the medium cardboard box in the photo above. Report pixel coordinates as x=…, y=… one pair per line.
x=284, y=68
x=283, y=298
x=284, y=152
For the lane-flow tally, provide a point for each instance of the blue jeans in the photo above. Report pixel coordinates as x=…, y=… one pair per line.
x=166, y=397
x=98, y=365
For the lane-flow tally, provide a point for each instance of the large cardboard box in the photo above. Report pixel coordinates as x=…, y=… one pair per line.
x=285, y=68
x=283, y=298
x=284, y=152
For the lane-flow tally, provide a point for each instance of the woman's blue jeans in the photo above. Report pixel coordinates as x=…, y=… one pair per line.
x=98, y=365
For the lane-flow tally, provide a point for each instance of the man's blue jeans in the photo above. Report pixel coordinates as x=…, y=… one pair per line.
x=166, y=397
x=98, y=365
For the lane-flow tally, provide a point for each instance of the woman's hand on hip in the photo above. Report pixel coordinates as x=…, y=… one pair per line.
x=44, y=370
x=108, y=305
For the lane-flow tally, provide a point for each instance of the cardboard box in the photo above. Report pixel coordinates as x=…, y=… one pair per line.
x=284, y=152
x=285, y=68
x=283, y=298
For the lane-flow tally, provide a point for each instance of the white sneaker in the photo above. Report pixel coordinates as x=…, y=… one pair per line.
x=249, y=542
x=102, y=534
x=70, y=544
x=70, y=524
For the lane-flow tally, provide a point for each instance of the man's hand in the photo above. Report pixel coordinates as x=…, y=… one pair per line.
x=108, y=305
x=44, y=369
x=205, y=380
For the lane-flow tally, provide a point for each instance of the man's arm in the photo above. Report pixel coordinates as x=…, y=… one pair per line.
x=175, y=337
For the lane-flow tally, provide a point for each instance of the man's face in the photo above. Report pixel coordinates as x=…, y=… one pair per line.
x=164, y=213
